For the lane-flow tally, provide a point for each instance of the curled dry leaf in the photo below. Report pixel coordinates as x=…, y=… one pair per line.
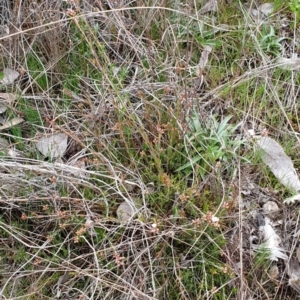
x=8, y=98
x=279, y=163
x=11, y=123
x=125, y=211
x=10, y=76
x=204, y=58
x=53, y=146
x=61, y=280
x=150, y=188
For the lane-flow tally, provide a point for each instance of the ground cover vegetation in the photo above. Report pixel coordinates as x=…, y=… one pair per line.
x=154, y=101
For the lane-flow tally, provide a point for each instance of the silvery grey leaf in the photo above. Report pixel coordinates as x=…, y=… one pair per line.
x=293, y=271
x=271, y=241
x=53, y=146
x=61, y=280
x=3, y=109
x=10, y=76
x=12, y=122
x=279, y=163
x=211, y=5
x=266, y=8
x=4, y=30
x=289, y=63
x=261, y=12
x=76, y=167
x=204, y=57
x=298, y=254
x=6, y=99
x=125, y=211
x=270, y=208
x=13, y=153
x=9, y=97
x=3, y=144
x=273, y=272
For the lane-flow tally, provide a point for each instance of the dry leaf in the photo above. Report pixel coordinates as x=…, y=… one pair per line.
x=61, y=281
x=9, y=76
x=271, y=241
x=293, y=271
x=273, y=272
x=9, y=98
x=77, y=168
x=10, y=123
x=279, y=163
x=89, y=224
x=262, y=11
x=125, y=211
x=53, y=146
x=4, y=30
x=270, y=208
x=13, y=153
x=266, y=8
x=211, y=5
x=150, y=188
x=204, y=58
x=3, y=144
x=3, y=109
x=292, y=199
x=298, y=254
x=289, y=63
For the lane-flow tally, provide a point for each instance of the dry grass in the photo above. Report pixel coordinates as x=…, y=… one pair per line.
x=146, y=125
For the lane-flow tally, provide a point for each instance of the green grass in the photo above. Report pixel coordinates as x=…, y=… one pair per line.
x=122, y=86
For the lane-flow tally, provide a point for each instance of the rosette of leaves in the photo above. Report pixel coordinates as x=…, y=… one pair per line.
x=209, y=143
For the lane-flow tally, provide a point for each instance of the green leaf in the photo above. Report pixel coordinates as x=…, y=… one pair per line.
x=190, y=163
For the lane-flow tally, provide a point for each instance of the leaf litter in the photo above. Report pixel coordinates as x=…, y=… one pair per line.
x=10, y=76
x=210, y=6
x=261, y=12
x=8, y=98
x=125, y=211
x=53, y=146
x=267, y=224
x=10, y=123
x=279, y=163
x=292, y=63
x=214, y=2
x=272, y=241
